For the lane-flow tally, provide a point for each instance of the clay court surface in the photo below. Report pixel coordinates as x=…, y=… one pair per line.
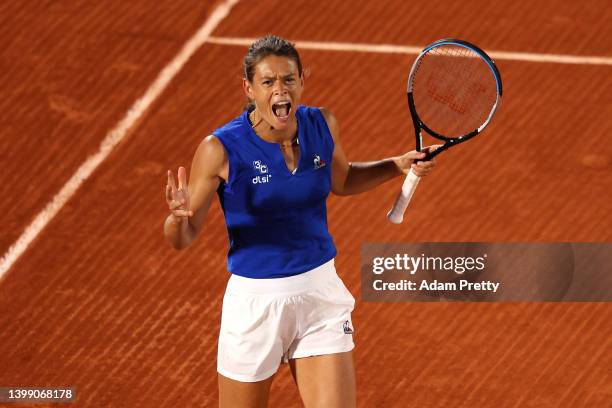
x=99, y=300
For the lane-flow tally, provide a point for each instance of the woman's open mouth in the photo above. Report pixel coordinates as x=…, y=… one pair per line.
x=281, y=109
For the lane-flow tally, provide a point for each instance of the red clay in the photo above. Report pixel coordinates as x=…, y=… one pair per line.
x=100, y=301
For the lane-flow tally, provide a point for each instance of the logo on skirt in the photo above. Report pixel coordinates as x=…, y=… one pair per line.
x=347, y=328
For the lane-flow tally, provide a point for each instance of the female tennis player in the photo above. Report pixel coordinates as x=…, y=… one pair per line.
x=273, y=168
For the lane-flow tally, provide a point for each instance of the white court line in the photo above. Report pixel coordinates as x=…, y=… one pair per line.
x=409, y=49
x=115, y=136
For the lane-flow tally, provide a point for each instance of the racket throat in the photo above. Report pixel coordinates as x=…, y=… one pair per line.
x=415, y=121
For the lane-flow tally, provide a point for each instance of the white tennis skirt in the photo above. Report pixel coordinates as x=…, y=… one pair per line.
x=266, y=321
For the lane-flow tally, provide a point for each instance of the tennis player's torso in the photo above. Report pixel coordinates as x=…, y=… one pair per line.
x=269, y=178
x=277, y=218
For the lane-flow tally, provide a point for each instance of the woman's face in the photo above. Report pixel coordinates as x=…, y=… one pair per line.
x=276, y=89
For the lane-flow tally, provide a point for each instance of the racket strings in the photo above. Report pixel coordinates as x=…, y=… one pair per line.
x=454, y=90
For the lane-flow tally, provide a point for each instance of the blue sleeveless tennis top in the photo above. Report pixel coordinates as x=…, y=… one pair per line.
x=276, y=220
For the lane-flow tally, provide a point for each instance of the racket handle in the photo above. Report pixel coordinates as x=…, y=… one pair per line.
x=396, y=215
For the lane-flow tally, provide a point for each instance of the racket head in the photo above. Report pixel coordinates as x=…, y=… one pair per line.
x=454, y=89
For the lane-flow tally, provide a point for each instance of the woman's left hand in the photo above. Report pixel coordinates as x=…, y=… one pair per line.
x=420, y=168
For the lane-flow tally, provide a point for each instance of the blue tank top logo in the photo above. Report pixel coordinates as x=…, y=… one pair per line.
x=276, y=218
x=318, y=163
x=261, y=171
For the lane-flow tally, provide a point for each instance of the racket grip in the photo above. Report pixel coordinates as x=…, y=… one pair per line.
x=396, y=215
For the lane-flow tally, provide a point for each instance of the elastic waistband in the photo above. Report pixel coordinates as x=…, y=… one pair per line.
x=296, y=284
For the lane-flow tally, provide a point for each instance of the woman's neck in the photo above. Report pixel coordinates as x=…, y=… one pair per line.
x=286, y=137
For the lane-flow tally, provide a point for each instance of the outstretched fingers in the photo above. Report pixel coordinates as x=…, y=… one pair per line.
x=182, y=178
x=178, y=197
x=171, y=183
x=169, y=194
x=432, y=148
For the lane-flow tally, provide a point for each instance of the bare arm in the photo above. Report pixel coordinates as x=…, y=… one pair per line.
x=189, y=204
x=356, y=177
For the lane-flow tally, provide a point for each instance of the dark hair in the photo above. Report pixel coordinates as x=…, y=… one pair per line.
x=264, y=47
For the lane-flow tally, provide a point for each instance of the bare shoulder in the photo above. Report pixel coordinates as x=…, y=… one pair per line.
x=211, y=146
x=210, y=157
x=332, y=122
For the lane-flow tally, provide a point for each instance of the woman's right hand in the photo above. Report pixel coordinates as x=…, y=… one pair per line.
x=178, y=198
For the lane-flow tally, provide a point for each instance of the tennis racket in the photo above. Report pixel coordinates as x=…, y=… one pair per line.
x=454, y=89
